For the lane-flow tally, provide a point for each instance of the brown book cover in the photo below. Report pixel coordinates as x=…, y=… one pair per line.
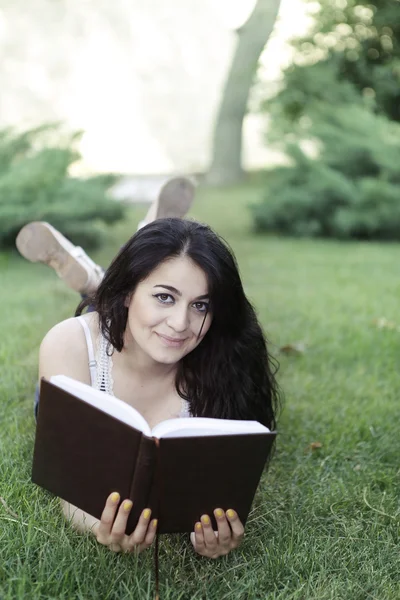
x=82, y=454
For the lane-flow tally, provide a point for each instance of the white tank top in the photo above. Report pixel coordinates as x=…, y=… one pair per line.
x=101, y=365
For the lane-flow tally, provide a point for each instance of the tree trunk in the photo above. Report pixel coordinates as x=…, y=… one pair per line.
x=226, y=164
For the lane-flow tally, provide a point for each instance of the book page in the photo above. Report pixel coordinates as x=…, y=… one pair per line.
x=200, y=426
x=109, y=404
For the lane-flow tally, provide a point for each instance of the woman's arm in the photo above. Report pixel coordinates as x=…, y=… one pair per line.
x=79, y=520
x=64, y=352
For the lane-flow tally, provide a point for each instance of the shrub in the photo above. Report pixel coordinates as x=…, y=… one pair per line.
x=374, y=213
x=352, y=190
x=302, y=200
x=35, y=185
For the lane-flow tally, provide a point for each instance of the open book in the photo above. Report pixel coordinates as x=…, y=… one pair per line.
x=89, y=444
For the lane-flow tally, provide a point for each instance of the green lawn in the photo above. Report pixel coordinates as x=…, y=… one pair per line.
x=325, y=523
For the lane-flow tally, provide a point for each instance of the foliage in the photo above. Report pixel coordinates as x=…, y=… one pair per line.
x=352, y=190
x=342, y=93
x=35, y=185
x=351, y=53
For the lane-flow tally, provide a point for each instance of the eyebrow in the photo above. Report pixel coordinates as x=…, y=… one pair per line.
x=175, y=291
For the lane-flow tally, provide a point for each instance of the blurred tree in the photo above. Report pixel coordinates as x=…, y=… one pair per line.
x=342, y=94
x=352, y=53
x=226, y=164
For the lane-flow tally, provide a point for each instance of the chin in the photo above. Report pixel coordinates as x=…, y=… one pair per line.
x=167, y=358
x=170, y=356
x=164, y=360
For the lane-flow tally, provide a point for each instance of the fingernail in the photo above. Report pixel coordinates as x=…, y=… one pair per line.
x=154, y=523
x=115, y=497
x=127, y=505
x=230, y=513
x=219, y=512
x=146, y=513
x=205, y=519
x=198, y=527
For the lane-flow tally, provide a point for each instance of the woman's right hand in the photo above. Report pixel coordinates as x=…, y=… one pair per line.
x=110, y=530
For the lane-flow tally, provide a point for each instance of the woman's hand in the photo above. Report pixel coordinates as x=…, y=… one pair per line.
x=212, y=544
x=110, y=530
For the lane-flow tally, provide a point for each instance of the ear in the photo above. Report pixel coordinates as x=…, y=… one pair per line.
x=128, y=299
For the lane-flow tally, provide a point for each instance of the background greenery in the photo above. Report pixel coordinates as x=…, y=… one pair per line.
x=36, y=185
x=341, y=96
x=325, y=524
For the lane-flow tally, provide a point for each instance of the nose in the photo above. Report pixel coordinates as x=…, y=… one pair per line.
x=178, y=319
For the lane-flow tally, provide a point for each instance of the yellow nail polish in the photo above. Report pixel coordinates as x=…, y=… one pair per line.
x=154, y=523
x=205, y=519
x=231, y=513
x=219, y=512
x=127, y=505
x=198, y=527
x=146, y=513
x=115, y=497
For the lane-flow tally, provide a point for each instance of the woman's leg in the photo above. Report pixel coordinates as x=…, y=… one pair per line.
x=174, y=200
x=40, y=242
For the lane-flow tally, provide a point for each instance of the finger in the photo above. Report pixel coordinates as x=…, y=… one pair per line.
x=119, y=526
x=197, y=538
x=236, y=526
x=114, y=547
x=224, y=530
x=107, y=517
x=151, y=533
x=139, y=534
x=210, y=539
x=131, y=546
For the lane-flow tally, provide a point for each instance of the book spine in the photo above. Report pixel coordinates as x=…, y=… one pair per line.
x=142, y=481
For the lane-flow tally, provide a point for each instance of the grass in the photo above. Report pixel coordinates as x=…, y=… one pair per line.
x=325, y=523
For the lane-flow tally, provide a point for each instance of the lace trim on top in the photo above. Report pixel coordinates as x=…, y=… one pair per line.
x=185, y=409
x=104, y=378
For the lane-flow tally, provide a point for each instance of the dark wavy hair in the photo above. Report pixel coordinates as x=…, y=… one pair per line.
x=230, y=374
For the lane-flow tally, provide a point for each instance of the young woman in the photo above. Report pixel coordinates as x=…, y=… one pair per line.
x=174, y=335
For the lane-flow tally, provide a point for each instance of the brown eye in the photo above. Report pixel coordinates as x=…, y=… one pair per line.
x=164, y=298
x=201, y=306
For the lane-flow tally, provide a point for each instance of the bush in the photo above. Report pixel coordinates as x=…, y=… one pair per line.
x=374, y=214
x=35, y=186
x=352, y=190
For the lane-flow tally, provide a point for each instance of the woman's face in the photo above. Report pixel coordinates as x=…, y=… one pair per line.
x=167, y=311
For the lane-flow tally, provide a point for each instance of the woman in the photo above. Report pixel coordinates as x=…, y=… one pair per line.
x=175, y=336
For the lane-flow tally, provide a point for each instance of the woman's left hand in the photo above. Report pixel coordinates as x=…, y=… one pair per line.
x=214, y=544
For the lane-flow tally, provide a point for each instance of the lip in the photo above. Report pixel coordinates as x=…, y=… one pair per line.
x=171, y=342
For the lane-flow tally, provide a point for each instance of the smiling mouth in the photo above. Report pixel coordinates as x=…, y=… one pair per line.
x=168, y=341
